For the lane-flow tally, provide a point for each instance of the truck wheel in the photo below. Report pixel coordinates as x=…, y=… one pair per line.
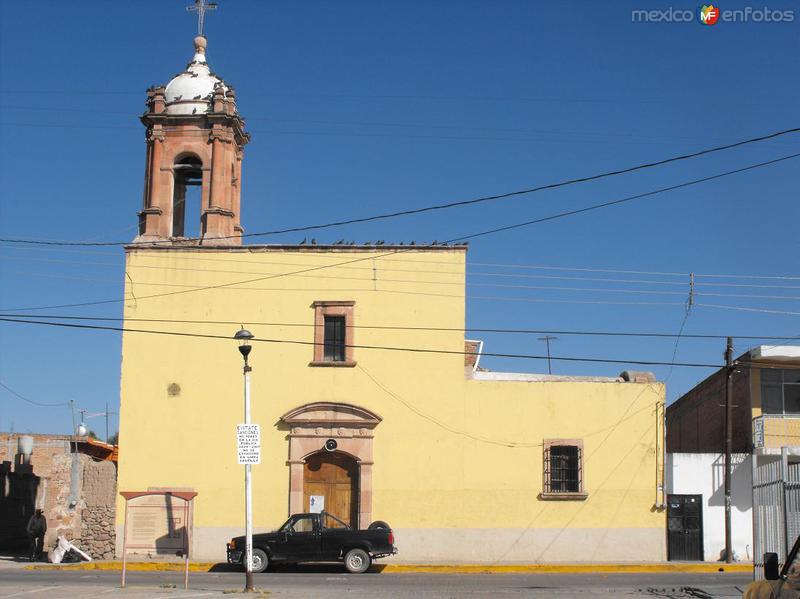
x=379, y=524
x=260, y=561
x=357, y=561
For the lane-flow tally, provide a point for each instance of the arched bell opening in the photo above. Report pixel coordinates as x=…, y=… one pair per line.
x=187, y=189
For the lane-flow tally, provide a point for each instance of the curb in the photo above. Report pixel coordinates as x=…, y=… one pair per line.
x=629, y=568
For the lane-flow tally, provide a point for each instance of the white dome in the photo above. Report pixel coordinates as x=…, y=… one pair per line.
x=190, y=92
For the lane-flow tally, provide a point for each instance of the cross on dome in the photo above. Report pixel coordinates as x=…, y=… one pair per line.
x=200, y=7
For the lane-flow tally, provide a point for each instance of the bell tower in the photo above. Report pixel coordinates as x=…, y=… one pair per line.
x=195, y=139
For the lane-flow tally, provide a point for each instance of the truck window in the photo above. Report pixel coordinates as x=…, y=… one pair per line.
x=304, y=524
x=329, y=521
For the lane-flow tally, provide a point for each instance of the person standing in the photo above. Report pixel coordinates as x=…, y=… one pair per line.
x=37, y=526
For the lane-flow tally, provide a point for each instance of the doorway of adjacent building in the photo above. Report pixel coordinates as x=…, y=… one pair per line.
x=330, y=482
x=685, y=527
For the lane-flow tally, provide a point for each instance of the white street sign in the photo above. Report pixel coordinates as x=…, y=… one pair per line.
x=248, y=443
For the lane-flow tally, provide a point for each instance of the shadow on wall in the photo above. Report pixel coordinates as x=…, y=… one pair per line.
x=741, y=482
x=18, y=491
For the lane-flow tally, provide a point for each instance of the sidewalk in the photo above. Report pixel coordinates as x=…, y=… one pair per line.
x=547, y=568
x=10, y=562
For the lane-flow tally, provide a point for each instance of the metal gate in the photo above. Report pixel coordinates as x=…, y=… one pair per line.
x=685, y=527
x=776, y=507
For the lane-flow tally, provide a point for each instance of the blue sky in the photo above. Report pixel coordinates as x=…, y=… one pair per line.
x=366, y=107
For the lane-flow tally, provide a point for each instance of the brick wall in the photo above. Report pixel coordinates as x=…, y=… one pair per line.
x=696, y=421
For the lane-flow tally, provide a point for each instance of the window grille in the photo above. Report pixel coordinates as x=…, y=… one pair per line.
x=563, y=469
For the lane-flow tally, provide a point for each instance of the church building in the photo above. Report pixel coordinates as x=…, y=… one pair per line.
x=358, y=345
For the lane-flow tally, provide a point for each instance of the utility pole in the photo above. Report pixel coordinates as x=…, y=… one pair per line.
x=728, y=444
x=72, y=434
x=547, y=339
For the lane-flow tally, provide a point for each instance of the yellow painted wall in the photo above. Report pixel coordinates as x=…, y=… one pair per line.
x=450, y=453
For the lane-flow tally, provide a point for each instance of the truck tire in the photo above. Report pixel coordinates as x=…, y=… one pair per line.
x=357, y=561
x=260, y=561
x=379, y=524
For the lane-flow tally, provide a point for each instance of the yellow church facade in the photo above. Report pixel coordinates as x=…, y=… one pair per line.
x=364, y=347
x=454, y=459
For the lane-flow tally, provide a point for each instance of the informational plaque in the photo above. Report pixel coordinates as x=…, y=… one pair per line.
x=248, y=443
x=158, y=522
x=316, y=504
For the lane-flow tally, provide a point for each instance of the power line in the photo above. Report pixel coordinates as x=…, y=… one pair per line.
x=416, y=261
x=746, y=309
x=403, y=250
x=363, y=347
x=427, y=282
x=624, y=200
x=30, y=401
x=410, y=328
x=371, y=270
x=444, y=206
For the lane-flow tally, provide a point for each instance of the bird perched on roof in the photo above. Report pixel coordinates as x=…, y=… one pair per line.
x=313, y=241
x=380, y=242
x=303, y=242
x=197, y=97
x=178, y=98
x=340, y=242
x=412, y=242
x=434, y=242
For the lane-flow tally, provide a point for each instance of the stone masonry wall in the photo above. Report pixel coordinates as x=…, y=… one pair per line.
x=76, y=491
x=97, y=516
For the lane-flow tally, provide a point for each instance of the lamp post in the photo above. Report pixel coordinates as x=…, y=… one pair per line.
x=243, y=336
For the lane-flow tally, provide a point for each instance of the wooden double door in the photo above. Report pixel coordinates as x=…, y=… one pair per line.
x=332, y=476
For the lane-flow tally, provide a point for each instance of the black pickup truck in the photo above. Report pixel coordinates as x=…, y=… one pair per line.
x=320, y=537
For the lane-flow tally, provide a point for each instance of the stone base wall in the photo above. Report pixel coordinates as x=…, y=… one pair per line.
x=97, y=532
x=479, y=545
x=98, y=535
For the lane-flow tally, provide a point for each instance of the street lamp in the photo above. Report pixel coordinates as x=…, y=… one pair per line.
x=243, y=336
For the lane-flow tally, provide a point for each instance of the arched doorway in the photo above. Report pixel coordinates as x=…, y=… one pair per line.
x=331, y=479
x=352, y=427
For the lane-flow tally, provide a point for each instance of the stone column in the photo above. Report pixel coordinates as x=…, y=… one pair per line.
x=365, y=494
x=296, y=486
x=217, y=172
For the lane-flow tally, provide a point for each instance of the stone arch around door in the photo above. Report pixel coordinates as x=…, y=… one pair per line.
x=352, y=427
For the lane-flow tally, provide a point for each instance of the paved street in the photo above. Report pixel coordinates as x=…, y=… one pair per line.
x=330, y=583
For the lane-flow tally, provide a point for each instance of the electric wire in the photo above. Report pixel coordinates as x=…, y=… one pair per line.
x=460, y=238
x=390, y=259
x=499, y=330
x=30, y=401
x=443, y=206
x=371, y=270
x=359, y=346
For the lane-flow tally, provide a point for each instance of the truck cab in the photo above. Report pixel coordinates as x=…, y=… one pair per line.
x=778, y=584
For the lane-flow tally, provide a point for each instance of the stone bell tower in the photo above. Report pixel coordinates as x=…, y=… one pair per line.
x=195, y=138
